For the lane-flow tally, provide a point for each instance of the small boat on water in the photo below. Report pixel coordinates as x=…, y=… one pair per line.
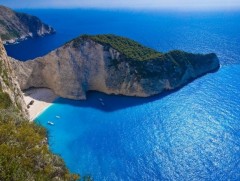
x=58, y=117
x=101, y=101
x=51, y=123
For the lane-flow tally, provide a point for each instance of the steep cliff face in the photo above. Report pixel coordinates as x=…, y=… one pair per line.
x=9, y=88
x=16, y=26
x=24, y=153
x=106, y=63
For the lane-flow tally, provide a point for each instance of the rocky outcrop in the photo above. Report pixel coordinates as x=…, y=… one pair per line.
x=9, y=85
x=16, y=26
x=85, y=64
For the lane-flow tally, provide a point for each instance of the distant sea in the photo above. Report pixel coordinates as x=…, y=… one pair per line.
x=190, y=134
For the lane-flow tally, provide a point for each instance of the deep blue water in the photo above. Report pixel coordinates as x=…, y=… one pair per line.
x=190, y=134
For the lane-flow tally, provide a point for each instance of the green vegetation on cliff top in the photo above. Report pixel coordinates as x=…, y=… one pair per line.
x=130, y=48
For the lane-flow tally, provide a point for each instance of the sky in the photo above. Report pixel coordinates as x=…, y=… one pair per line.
x=133, y=4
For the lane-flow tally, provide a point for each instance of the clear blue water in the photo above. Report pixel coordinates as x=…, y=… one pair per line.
x=190, y=134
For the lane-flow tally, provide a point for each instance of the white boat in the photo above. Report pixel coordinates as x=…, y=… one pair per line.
x=58, y=117
x=100, y=99
x=102, y=103
x=51, y=123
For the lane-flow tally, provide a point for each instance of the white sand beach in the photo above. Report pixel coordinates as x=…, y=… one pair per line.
x=38, y=99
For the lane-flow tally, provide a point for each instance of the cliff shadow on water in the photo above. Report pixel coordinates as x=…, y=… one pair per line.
x=111, y=103
x=100, y=101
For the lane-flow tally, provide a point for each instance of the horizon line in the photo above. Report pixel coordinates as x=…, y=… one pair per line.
x=187, y=8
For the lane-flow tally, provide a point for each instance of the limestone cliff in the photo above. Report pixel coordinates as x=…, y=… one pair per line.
x=113, y=65
x=9, y=87
x=16, y=26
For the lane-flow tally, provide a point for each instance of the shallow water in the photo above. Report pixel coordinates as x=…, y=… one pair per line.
x=190, y=134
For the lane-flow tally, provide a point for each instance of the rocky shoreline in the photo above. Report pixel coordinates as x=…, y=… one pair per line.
x=16, y=27
x=23, y=38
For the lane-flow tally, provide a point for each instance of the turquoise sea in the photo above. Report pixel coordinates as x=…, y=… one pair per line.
x=190, y=134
